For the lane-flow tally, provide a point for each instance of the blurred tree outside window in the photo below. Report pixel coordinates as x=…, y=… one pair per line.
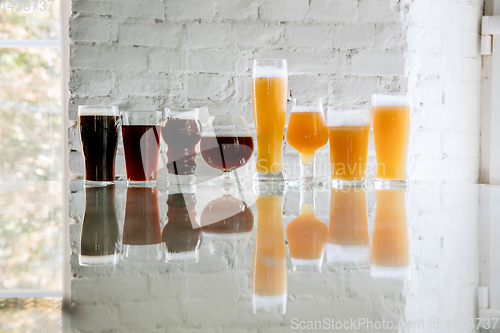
x=31, y=239
x=30, y=97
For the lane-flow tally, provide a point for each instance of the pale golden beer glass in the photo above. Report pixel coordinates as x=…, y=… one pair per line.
x=391, y=129
x=269, y=91
x=349, y=131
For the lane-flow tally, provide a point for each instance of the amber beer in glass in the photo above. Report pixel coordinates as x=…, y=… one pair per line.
x=307, y=132
x=269, y=91
x=349, y=131
x=391, y=127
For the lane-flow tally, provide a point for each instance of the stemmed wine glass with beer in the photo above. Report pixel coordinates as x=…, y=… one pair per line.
x=226, y=144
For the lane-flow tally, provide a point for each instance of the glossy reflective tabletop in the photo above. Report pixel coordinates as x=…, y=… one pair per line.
x=277, y=259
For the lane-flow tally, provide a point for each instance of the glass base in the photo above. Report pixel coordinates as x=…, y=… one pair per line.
x=94, y=183
x=348, y=183
x=385, y=272
x=307, y=265
x=348, y=255
x=181, y=179
x=107, y=260
x=138, y=183
x=143, y=252
x=390, y=183
x=304, y=182
x=269, y=304
x=269, y=177
x=183, y=257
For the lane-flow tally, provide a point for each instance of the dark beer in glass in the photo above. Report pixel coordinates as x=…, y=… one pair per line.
x=99, y=136
x=181, y=133
x=141, y=142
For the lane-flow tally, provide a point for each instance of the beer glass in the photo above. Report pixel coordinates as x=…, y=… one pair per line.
x=391, y=127
x=99, y=135
x=226, y=144
x=390, y=256
x=99, y=239
x=307, y=132
x=349, y=131
x=141, y=132
x=141, y=229
x=269, y=91
x=269, y=277
x=181, y=133
x=306, y=235
x=348, y=239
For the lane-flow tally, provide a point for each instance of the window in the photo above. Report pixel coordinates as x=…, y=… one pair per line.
x=31, y=166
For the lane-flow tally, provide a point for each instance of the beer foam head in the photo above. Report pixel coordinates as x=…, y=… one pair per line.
x=348, y=116
x=340, y=254
x=98, y=110
x=270, y=68
x=307, y=108
x=391, y=100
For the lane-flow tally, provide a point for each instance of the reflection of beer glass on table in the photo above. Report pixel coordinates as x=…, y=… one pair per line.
x=349, y=130
x=181, y=133
x=269, y=90
x=269, y=279
x=99, y=240
x=390, y=249
x=227, y=224
x=306, y=235
x=348, y=239
x=182, y=234
x=307, y=132
x=391, y=127
x=141, y=133
x=99, y=134
x=141, y=229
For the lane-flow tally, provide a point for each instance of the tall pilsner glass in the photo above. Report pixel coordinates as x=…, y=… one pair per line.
x=269, y=90
x=391, y=127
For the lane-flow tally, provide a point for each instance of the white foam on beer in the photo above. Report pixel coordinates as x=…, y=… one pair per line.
x=183, y=257
x=390, y=100
x=269, y=304
x=306, y=108
x=307, y=265
x=348, y=254
x=348, y=117
x=95, y=110
x=98, y=260
x=385, y=272
x=269, y=71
